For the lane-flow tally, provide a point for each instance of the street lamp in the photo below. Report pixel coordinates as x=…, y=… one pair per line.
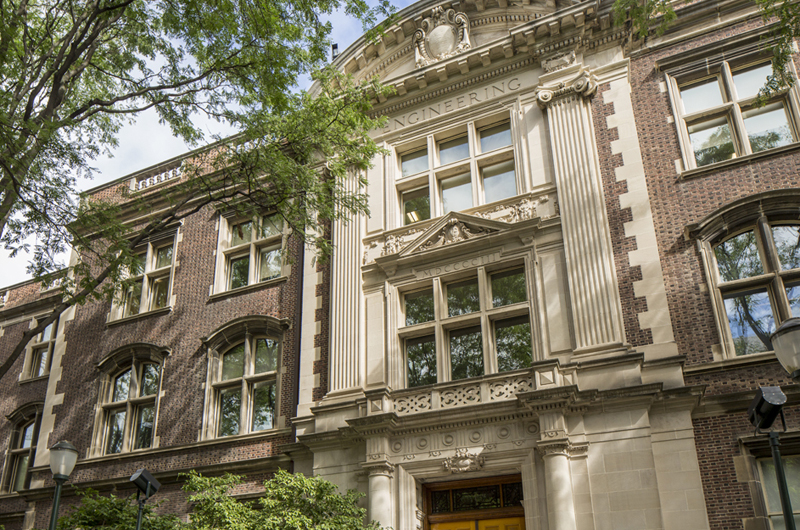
x=148, y=485
x=786, y=343
x=762, y=412
x=63, y=456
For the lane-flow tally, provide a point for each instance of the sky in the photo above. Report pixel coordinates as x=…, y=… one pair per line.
x=146, y=142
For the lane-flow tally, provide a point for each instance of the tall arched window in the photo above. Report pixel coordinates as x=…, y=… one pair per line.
x=22, y=447
x=129, y=395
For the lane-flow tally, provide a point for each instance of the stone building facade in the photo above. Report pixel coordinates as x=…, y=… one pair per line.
x=554, y=316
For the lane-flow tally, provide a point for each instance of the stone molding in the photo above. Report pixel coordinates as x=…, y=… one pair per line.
x=463, y=461
x=379, y=469
x=584, y=85
x=562, y=447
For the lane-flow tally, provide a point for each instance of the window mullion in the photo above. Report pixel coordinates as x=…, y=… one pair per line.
x=442, y=355
x=739, y=132
x=489, y=357
x=128, y=429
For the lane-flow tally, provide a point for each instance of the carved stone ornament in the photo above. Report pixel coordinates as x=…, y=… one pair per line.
x=463, y=462
x=453, y=232
x=443, y=34
x=585, y=85
x=558, y=61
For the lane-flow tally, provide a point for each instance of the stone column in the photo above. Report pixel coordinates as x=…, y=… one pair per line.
x=558, y=483
x=596, y=308
x=346, y=362
x=379, y=500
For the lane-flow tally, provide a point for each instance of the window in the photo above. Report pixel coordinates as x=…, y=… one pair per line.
x=246, y=389
x=41, y=352
x=718, y=117
x=128, y=400
x=470, y=166
x=21, y=447
x=466, y=327
x=757, y=273
x=252, y=252
x=468, y=501
x=769, y=484
x=150, y=279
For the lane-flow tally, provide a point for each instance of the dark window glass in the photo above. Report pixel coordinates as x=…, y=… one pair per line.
x=233, y=363
x=416, y=206
x=20, y=473
x=509, y=288
x=466, y=353
x=270, y=264
x=160, y=289
x=266, y=355
x=421, y=354
x=711, y=141
x=241, y=233
x=39, y=361
x=513, y=342
x=149, y=380
x=116, y=431
x=230, y=402
x=144, y=429
x=419, y=307
x=440, y=501
x=478, y=498
x=122, y=385
x=164, y=257
x=263, y=406
x=512, y=494
x=463, y=298
x=240, y=269
x=133, y=299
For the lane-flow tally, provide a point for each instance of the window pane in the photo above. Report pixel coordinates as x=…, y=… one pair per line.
x=793, y=293
x=413, y=163
x=122, y=386
x=702, y=95
x=738, y=257
x=750, y=318
x=149, y=380
x=271, y=226
x=767, y=127
x=133, y=299
x=513, y=343
x=263, y=406
x=241, y=233
x=711, y=141
x=47, y=334
x=20, y=473
x=160, y=290
x=164, y=257
x=116, y=430
x=787, y=241
x=27, y=437
x=270, y=264
x=462, y=298
x=419, y=307
x=230, y=402
x=39, y=361
x=457, y=193
x=466, y=353
x=749, y=82
x=416, y=206
x=266, y=355
x=421, y=354
x=509, y=288
x=137, y=265
x=512, y=494
x=791, y=466
x=233, y=363
x=440, y=501
x=499, y=182
x=144, y=429
x=453, y=150
x=476, y=498
x=495, y=137
x=240, y=269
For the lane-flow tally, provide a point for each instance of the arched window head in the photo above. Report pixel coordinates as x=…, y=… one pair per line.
x=22, y=447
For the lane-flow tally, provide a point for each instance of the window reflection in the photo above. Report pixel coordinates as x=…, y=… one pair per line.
x=751, y=321
x=738, y=257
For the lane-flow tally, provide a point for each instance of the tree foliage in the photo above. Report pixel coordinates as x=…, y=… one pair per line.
x=72, y=72
x=100, y=512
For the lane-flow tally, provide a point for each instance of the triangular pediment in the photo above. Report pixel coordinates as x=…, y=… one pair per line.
x=453, y=229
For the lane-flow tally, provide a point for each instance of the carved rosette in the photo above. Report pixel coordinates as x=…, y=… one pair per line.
x=463, y=461
x=585, y=85
x=442, y=35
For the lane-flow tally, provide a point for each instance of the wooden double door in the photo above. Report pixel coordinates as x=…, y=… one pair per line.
x=506, y=523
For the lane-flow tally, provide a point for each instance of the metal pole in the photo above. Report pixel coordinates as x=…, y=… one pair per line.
x=141, y=507
x=59, y=480
x=786, y=503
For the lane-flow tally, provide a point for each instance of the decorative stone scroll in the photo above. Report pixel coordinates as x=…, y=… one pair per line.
x=584, y=85
x=463, y=461
x=443, y=34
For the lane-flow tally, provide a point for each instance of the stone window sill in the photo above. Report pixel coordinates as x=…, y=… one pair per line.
x=742, y=160
x=146, y=314
x=247, y=289
x=729, y=364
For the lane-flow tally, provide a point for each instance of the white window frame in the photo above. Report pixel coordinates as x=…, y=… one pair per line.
x=253, y=250
x=485, y=318
x=722, y=67
x=432, y=177
x=148, y=276
x=132, y=357
x=39, y=352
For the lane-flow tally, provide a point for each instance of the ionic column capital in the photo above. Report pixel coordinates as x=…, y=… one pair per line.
x=584, y=85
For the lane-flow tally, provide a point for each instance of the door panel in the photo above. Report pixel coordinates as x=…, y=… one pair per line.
x=507, y=523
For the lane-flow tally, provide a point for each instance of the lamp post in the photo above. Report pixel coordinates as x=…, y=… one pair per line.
x=786, y=343
x=63, y=456
x=148, y=485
